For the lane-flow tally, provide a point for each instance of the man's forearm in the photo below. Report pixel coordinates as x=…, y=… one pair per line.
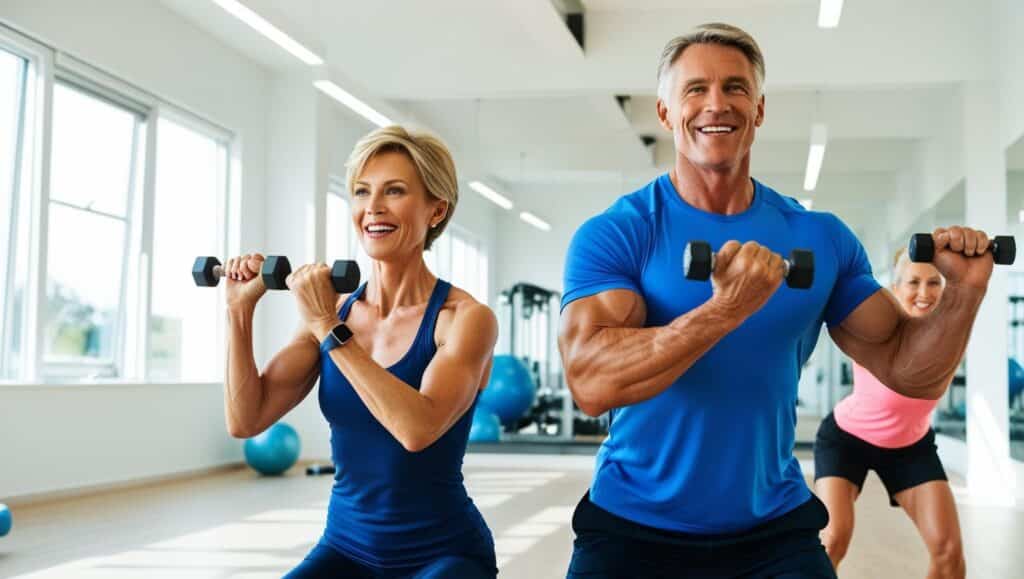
x=618, y=366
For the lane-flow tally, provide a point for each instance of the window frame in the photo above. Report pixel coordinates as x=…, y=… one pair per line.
x=122, y=365
x=46, y=67
x=30, y=195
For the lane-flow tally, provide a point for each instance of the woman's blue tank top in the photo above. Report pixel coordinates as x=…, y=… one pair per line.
x=390, y=507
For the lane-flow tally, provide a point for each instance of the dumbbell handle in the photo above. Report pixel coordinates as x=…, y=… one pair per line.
x=921, y=248
x=786, y=264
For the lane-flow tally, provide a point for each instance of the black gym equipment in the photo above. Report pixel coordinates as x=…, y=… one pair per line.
x=207, y=271
x=922, y=248
x=699, y=263
x=529, y=318
x=319, y=469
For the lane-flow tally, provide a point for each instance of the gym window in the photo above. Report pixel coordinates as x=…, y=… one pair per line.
x=188, y=220
x=19, y=72
x=98, y=237
x=95, y=167
x=12, y=97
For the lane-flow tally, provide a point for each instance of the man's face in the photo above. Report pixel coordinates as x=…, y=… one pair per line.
x=713, y=106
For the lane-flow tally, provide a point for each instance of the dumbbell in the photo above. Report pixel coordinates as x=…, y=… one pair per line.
x=207, y=271
x=699, y=262
x=922, y=248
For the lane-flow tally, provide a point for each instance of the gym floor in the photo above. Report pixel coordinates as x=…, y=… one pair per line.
x=234, y=524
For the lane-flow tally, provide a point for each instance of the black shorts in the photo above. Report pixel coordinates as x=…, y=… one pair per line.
x=610, y=547
x=839, y=453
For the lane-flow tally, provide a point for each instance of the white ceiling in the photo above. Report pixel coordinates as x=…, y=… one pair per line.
x=522, y=104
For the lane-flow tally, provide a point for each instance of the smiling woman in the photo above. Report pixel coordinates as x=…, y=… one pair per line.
x=401, y=362
x=406, y=165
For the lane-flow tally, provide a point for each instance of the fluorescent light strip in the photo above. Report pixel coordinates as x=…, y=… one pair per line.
x=492, y=195
x=829, y=13
x=535, y=221
x=815, y=156
x=807, y=203
x=344, y=97
x=261, y=25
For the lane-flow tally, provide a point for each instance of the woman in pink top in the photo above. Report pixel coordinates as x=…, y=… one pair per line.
x=877, y=429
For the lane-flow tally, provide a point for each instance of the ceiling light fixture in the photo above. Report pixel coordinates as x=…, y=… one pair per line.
x=275, y=34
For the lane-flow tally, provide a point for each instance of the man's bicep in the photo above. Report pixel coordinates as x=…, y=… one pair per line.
x=868, y=334
x=617, y=308
x=875, y=320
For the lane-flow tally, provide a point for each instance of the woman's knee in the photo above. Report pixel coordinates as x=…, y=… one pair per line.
x=947, y=553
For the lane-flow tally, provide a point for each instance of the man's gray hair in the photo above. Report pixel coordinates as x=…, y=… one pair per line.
x=710, y=33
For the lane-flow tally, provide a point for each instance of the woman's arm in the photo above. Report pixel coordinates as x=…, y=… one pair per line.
x=417, y=418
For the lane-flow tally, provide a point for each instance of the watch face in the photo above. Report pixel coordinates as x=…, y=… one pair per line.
x=341, y=333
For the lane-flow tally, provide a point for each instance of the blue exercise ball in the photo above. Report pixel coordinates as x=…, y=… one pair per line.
x=485, y=426
x=274, y=450
x=5, y=520
x=511, y=390
x=1016, y=379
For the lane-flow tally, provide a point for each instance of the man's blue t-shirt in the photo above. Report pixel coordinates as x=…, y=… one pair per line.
x=713, y=453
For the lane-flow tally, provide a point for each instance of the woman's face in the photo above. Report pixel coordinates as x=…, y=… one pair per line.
x=391, y=209
x=919, y=288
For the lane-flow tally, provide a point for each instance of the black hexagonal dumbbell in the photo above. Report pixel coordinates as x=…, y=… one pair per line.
x=699, y=263
x=344, y=274
x=922, y=248
x=207, y=271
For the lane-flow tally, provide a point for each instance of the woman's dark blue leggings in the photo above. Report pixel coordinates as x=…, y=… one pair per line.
x=324, y=562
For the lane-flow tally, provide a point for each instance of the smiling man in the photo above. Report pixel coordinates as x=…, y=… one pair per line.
x=697, y=477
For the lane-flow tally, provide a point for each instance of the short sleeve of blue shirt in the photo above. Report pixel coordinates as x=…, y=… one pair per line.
x=854, y=280
x=607, y=252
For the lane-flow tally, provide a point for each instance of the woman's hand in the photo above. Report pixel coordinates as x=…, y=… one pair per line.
x=244, y=285
x=315, y=297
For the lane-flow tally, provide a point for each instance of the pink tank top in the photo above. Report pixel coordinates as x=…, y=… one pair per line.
x=880, y=416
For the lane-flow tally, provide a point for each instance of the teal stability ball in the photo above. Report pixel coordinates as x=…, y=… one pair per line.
x=511, y=390
x=274, y=450
x=5, y=520
x=485, y=427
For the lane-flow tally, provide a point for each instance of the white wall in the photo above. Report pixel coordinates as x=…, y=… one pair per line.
x=527, y=254
x=1009, y=17
x=62, y=437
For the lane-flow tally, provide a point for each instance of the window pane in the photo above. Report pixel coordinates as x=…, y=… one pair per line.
x=12, y=74
x=83, y=290
x=184, y=342
x=93, y=144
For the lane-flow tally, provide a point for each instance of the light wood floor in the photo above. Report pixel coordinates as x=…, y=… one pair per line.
x=237, y=525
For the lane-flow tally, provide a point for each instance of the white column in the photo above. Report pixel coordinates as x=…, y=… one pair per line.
x=989, y=474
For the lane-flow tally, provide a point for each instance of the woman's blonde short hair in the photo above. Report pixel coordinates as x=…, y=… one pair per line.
x=900, y=260
x=428, y=154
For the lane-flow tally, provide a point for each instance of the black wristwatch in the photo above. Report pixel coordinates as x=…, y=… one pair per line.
x=337, y=337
